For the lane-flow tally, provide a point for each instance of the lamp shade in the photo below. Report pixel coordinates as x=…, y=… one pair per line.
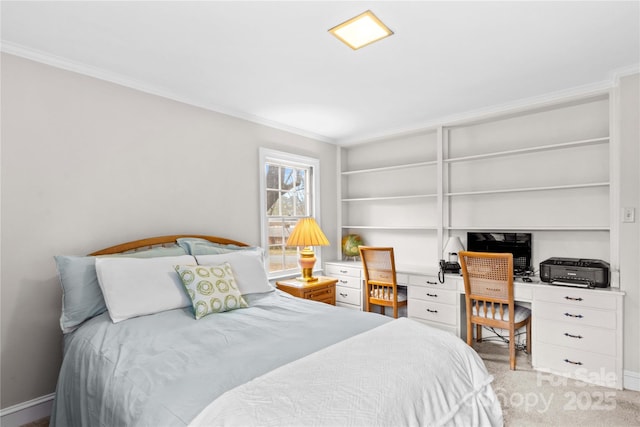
x=453, y=246
x=307, y=232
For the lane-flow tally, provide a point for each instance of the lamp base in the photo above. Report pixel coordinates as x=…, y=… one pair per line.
x=306, y=279
x=307, y=260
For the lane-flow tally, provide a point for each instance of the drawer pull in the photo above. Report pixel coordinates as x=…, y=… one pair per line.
x=573, y=299
x=344, y=281
x=343, y=295
x=432, y=311
x=431, y=283
x=572, y=362
x=572, y=336
x=577, y=316
x=344, y=271
x=432, y=295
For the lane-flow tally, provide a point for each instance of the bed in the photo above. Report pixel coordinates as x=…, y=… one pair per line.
x=141, y=349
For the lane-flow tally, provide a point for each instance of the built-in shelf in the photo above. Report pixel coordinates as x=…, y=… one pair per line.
x=390, y=198
x=390, y=227
x=528, y=189
x=528, y=150
x=533, y=228
x=391, y=168
x=473, y=160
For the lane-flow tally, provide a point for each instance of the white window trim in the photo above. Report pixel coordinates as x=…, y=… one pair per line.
x=266, y=155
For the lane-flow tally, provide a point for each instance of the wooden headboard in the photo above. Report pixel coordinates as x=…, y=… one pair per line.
x=161, y=241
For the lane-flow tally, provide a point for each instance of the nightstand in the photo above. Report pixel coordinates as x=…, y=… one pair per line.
x=323, y=289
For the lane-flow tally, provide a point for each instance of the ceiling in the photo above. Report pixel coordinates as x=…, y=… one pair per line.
x=275, y=63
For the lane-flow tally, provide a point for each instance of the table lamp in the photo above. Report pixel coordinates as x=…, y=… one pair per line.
x=453, y=246
x=307, y=233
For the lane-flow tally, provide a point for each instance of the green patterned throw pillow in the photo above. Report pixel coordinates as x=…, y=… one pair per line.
x=212, y=288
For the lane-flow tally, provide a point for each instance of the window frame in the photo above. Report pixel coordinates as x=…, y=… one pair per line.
x=313, y=182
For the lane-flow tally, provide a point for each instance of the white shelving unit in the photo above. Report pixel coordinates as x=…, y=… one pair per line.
x=529, y=150
x=543, y=170
x=391, y=195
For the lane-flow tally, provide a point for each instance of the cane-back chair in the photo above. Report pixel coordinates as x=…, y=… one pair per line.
x=381, y=288
x=488, y=285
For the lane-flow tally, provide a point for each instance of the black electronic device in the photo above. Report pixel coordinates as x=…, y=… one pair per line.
x=584, y=273
x=518, y=244
x=449, y=267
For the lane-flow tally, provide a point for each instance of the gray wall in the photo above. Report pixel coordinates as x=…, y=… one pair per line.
x=87, y=164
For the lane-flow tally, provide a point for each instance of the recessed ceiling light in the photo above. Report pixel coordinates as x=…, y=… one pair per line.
x=362, y=30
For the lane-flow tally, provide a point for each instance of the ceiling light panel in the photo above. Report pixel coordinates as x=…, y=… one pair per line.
x=361, y=30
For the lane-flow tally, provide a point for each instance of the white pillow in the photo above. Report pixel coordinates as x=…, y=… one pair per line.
x=137, y=287
x=247, y=268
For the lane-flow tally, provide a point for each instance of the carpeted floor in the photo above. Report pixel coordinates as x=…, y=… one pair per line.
x=531, y=398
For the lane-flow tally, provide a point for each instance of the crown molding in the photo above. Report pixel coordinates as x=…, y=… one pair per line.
x=616, y=75
x=527, y=104
x=122, y=80
x=474, y=116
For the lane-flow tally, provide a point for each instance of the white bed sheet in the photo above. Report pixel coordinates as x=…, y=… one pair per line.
x=402, y=373
x=164, y=369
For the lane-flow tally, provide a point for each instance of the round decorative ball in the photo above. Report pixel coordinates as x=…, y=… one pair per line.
x=350, y=245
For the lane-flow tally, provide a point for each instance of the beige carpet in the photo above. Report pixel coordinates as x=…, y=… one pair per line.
x=530, y=398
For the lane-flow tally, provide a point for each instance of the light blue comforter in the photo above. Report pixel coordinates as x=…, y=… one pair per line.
x=163, y=369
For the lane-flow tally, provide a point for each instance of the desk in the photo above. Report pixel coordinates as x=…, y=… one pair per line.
x=575, y=332
x=430, y=301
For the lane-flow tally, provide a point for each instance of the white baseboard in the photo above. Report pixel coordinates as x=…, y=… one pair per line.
x=26, y=412
x=632, y=380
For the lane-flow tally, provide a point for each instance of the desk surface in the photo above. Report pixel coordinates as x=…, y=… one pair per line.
x=523, y=290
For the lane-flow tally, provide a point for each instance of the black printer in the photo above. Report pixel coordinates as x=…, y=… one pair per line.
x=584, y=273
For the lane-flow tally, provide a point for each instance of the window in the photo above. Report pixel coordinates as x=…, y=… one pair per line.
x=288, y=192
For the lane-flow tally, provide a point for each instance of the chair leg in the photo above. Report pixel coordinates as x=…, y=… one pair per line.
x=395, y=311
x=469, y=333
x=529, y=335
x=512, y=348
x=478, y=333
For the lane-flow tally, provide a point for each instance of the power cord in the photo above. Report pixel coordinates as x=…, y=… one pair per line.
x=499, y=337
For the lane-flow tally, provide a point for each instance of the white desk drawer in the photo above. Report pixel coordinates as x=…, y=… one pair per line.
x=579, y=337
x=342, y=270
x=577, y=297
x=432, y=282
x=576, y=315
x=349, y=282
x=432, y=311
x=348, y=295
x=591, y=367
x=435, y=295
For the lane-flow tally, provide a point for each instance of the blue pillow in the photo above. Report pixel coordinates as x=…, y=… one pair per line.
x=160, y=251
x=197, y=246
x=81, y=295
